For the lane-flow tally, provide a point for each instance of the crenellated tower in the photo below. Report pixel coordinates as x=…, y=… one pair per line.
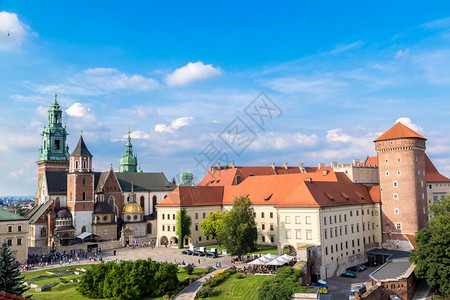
x=401, y=159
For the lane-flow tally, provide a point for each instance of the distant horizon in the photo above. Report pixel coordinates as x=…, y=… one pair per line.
x=185, y=79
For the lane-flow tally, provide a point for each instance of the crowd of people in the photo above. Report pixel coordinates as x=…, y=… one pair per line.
x=52, y=258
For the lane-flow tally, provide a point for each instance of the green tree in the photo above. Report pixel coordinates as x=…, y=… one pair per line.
x=183, y=226
x=432, y=257
x=10, y=279
x=239, y=232
x=213, y=225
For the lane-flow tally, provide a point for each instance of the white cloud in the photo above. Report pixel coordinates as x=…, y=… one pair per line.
x=401, y=53
x=344, y=47
x=407, y=122
x=77, y=110
x=137, y=134
x=12, y=31
x=190, y=73
x=15, y=174
x=99, y=81
x=281, y=141
x=174, y=125
x=292, y=85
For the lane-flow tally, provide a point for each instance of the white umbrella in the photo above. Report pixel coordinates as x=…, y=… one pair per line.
x=260, y=261
x=276, y=262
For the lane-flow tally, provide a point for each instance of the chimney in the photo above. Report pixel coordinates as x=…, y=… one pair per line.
x=218, y=165
x=309, y=179
x=272, y=165
x=285, y=165
x=321, y=165
x=355, y=162
x=334, y=164
x=232, y=165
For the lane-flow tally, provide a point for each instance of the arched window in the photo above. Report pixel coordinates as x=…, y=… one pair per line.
x=111, y=202
x=83, y=229
x=84, y=181
x=76, y=164
x=57, y=202
x=149, y=228
x=84, y=164
x=84, y=196
x=142, y=201
x=43, y=232
x=154, y=200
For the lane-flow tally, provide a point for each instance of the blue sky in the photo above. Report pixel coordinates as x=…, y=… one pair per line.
x=179, y=74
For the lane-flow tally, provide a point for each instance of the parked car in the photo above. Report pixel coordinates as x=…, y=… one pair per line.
x=353, y=269
x=348, y=274
x=187, y=252
x=362, y=267
x=199, y=253
x=212, y=254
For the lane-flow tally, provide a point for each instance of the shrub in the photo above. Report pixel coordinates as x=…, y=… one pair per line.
x=189, y=269
x=238, y=276
x=205, y=291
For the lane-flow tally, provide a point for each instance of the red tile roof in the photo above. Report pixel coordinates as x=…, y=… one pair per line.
x=371, y=161
x=7, y=296
x=317, y=189
x=431, y=173
x=234, y=175
x=399, y=131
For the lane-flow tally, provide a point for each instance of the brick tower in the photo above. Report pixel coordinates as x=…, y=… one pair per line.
x=80, y=188
x=54, y=152
x=401, y=160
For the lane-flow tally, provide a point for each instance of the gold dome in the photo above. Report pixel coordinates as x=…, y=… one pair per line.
x=132, y=208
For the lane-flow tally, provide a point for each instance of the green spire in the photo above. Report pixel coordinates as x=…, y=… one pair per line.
x=54, y=136
x=187, y=179
x=128, y=162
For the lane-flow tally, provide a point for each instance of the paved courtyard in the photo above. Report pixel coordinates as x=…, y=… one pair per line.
x=162, y=254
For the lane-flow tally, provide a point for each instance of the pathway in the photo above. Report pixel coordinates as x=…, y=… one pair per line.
x=189, y=292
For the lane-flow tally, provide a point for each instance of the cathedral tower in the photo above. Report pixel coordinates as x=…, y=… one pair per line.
x=401, y=159
x=80, y=188
x=128, y=162
x=54, y=152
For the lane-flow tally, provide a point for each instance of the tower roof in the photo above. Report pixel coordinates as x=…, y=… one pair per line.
x=81, y=149
x=399, y=131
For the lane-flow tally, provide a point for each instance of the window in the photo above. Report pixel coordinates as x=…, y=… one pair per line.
x=168, y=216
x=325, y=220
x=399, y=172
x=271, y=215
x=84, y=181
x=272, y=239
x=10, y=228
x=387, y=173
x=351, y=213
x=163, y=216
x=358, y=242
x=335, y=231
x=142, y=201
x=84, y=196
x=84, y=164
x=76, y=164
x=271, y=226
x=346, y=244
x=353, y=229
x=196, y=216
x=168, y=227
x=163, y=228
x=357, y=227
x=173, y=216
x=149, y=228
x=353, y=243
x=345, y=229
x=288, y=234
x=357, y=213
x=154, y=200
x=19, y=228
x=263, y=226
x=19, y=242
x=340, y=218
x=9, y=242
x=204, y=215
x=263, y=239
x=332, y=248
x=326, y=250
x=111, y=202
x=57, y=144
x=362, y=212
x=288, y=220
x=298, y=234
x=345, y=217
x=395, y=196
x=331, y=220
x=331, y=233
x=173, y=227
x=398, y=226
x=262, y=215
x=43, y=233
x=308, y=220
x=325, y=234
x=297, y=220
x=308, y=235
x=395, y=184
x=396, y=211
x=196, y=227
x=83, y=229
x=335, y=219
x=340, y=230
x=364, y=226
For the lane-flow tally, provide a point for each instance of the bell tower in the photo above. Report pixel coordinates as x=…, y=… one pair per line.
x=80, y=188
x=54, y=152
x=128, y=162
x=401, y=159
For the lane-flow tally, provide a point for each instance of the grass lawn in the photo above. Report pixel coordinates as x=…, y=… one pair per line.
x=68, y=291
x=245, y=288
x=260, y=249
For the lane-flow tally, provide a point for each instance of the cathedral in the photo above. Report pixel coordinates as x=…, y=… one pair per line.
x=73, y=203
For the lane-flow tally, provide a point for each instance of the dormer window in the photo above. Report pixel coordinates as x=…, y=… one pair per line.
x=329, y=196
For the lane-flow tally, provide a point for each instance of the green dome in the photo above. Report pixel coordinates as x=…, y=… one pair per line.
x=186, y=179
x=128, y=162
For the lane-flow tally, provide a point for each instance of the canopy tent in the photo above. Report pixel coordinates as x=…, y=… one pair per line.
x=260, y=261
x=279, y=261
